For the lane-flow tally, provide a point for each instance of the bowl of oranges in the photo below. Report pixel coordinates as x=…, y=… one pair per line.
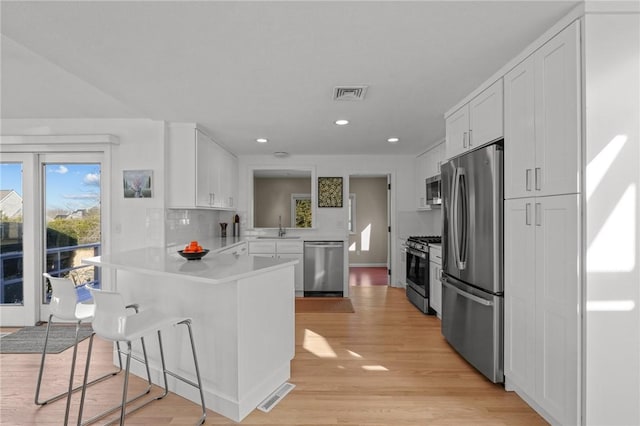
x=193, y=251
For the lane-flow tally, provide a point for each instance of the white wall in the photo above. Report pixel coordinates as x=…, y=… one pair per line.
x=332, y=222
x=612, y=236
x=135, y=222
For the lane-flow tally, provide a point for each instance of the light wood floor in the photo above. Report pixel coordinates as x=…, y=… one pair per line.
x=385, y=364
x=366, y=276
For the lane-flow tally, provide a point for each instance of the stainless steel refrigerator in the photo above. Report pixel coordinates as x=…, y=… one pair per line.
x=472, y=241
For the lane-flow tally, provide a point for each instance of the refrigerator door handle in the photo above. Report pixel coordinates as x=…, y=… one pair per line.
x=469, y=296
x=465, y=219
x=454, y=218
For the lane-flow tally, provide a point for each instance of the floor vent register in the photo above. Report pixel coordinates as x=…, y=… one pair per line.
x=277, y=396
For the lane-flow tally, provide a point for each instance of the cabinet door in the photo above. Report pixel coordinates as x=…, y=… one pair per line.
x=181, y=178
x=289, y=247
x=485, y=115
x=439, y=154
x=558, y=114
x=421, y=174
x=557, y=300
x=231, y=179
x=299, y=271
x=262, y=247
x=519, y=294
x=204, y=158
x=519, y=130
x=457, y=129
x=435, y=288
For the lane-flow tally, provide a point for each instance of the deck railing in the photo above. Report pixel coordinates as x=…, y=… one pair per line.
x=57, y=264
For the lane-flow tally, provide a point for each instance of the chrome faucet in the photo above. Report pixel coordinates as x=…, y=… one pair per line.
x=281, y=230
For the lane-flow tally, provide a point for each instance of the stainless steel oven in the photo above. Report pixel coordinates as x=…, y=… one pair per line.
x=418, y=271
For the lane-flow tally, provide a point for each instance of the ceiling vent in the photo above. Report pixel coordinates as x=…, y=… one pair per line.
x=349, y=93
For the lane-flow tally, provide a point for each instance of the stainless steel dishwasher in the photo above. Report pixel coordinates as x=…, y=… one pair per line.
x=323, y=268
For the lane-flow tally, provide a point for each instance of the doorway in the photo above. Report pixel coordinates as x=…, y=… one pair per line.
x=369, y=230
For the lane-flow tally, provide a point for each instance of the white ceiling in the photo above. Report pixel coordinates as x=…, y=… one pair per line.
x=245, y=70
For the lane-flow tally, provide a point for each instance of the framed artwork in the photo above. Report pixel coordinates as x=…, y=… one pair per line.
x=329, y=192
x=137, y=183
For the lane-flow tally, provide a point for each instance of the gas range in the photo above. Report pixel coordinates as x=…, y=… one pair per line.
x=421, y=242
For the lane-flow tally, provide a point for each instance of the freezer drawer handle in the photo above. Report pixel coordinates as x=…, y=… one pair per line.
x=467, y=295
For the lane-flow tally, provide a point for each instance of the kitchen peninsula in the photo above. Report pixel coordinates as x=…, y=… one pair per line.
x=243, y=320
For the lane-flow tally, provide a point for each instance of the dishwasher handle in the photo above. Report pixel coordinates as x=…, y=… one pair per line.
x=324, y=245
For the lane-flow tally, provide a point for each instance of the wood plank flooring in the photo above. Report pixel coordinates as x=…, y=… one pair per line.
x=385, y=364
x=366, y=276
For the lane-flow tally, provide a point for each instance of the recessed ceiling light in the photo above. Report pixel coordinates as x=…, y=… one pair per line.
x=393, y=140
x=261, y=140
x=342, y=122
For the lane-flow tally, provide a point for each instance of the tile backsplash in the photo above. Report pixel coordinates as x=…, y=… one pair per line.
x=182, y=226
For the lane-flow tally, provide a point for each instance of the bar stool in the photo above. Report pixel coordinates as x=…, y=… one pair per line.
x=64, y=306
x=112, y=323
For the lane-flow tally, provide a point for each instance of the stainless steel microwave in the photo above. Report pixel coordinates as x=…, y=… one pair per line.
x=434, y=196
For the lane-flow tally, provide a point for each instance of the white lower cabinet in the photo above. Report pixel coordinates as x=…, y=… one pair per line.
x=283, y=250
x=542, y=299
x=435, y=286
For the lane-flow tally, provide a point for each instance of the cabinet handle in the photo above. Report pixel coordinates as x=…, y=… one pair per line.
x=527, y=214
x=527, y=174
x=470, y=137
x=538, y=178
x=464, y=140
x=538, y=214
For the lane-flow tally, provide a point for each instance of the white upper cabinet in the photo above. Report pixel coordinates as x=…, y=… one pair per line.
x=422, y=165
x=542, y=116
x=475, y=123
x=202, y=174
x=485, y=116
x=457, y=130
x=427, y=165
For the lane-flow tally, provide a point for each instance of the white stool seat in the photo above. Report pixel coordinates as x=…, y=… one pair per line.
x=141, y=324
x=84, y=312
x=111, y=322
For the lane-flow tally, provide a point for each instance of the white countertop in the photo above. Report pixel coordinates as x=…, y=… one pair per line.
x=213, y=268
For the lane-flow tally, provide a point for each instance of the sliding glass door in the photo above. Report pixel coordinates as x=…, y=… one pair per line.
x=51, y=219
x=71, y=218
x=18, y=305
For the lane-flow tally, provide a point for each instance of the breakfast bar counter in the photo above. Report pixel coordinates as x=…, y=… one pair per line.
x=243, y=320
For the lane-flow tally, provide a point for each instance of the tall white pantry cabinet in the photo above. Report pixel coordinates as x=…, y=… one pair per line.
x=542, y=228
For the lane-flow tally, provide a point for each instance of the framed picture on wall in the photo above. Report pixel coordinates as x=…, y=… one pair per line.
x=137, y=183
x=329, y=192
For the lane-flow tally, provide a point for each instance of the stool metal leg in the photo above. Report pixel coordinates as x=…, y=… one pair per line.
x=165, y=372
x=41, y=373
x=70, y=390
x=105, y=413
x=195, y=362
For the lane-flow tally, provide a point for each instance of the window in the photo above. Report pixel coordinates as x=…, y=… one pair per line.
x=301, y=210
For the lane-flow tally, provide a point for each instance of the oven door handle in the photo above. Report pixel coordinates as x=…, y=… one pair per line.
x=417, y=253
